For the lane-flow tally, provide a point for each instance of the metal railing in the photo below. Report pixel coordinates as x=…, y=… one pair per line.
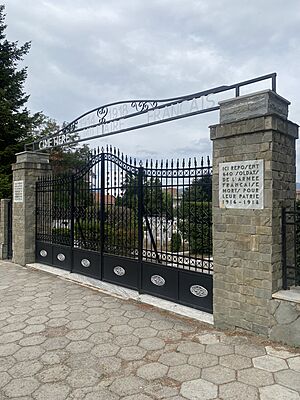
x=155, y=212
x=109, y=119
x=290, y=247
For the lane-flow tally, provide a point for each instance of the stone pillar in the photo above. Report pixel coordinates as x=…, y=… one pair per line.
x=4, y=204
x=247, y=241
x=28, y=168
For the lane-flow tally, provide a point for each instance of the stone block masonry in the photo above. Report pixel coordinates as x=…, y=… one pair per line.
x=4, y=204
x=28, y=168
x=247, y=242
x=285, y=320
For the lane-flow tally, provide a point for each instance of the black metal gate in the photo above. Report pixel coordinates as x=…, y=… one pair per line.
x=291, y=247
x=146, y=227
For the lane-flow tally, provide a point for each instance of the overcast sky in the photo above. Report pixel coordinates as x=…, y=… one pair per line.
x=86, y=53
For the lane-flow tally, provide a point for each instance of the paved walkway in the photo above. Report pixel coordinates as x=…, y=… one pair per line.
x=59, y=340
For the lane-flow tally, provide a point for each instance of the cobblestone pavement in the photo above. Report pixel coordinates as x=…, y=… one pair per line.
x=59, y=340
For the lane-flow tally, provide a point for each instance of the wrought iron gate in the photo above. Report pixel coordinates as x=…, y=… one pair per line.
x=291, y=247
x=146, y=227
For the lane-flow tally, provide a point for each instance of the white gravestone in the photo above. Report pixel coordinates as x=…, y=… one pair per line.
x=241, y=184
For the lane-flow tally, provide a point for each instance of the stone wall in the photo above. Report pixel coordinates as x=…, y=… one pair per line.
x=28, y=168
x=247, y=242
x=285, y=321
x=4, y=228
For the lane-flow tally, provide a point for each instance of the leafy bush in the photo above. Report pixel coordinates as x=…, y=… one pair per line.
x=196, y=226
x=121, y=230
x=88, y=234
x=176, y=242
x=61, y=236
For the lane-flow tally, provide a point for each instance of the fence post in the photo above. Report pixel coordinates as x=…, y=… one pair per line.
x=284, y=271
x=102, y=212
x=253, y=139
x=4, y=228
x=140, y=224
x=26, y=171
x=72, y=218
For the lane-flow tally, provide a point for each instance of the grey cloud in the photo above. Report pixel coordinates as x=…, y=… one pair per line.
x=85, y=54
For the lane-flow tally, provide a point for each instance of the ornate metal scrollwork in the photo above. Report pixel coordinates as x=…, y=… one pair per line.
x=101, y=114
x=61, y=257
x=198, y=291
x=121, y=163
x=143, y=105
x=118, y=270
x=158, y=280
x=70, y=127
x=85, y=262
x=43, y=253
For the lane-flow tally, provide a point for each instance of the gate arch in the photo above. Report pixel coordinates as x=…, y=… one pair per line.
x=85, y=229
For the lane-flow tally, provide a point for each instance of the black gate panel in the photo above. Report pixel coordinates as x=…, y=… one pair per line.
x=62, y=257
x=291, y=246
x=43, y=252
x=87, y=263
x=196, y=290
x=145, y=227
x=160, y=281
x=121, y=271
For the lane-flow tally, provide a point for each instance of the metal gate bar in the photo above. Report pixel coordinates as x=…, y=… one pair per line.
x=291, y=247
x=147, y=227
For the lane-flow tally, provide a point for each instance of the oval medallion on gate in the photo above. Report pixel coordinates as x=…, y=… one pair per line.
x=43, y=253
x=158, y=280
x=61, y=257
x=118, y=270
x=85, y=262
x=198, y=291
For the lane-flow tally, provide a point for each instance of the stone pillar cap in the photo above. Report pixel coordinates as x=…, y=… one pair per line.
x=265, y=102
x=33, y=157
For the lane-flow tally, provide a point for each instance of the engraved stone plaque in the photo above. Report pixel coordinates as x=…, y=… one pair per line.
x=241, y=184
x=18, y=191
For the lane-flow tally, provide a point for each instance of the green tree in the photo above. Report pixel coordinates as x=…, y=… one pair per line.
x=176, y=242
x=16, y=123
x=121, y=230
x=156, y=201
x=195, y=215
x=129, y=197
x=196, y=227
x=199, y=190
x=66, y=159
x=154, y=198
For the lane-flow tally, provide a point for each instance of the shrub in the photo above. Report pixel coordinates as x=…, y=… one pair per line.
x=88, y=234
x=196, y=226
x=176, y=242
x=61, y=236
